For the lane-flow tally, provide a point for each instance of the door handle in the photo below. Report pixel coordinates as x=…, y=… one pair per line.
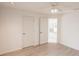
x=40, y=32
x=24, y=33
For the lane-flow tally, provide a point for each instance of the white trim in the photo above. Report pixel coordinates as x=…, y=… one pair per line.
x=4, y=52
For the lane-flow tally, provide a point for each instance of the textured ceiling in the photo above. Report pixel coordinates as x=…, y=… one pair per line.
x=42, y=7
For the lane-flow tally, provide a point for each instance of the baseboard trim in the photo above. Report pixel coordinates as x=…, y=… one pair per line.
x=68, y=46
x=4, y=52
x=8, y=51
x=44, y=43
x=40, y=44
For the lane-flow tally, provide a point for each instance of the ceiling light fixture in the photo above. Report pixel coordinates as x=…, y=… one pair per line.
x=54, y=10
x=12, y=4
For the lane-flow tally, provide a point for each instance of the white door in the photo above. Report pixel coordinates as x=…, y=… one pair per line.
x=28, y=31
x=43, y=30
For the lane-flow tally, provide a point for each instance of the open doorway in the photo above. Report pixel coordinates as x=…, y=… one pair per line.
x=52, y=30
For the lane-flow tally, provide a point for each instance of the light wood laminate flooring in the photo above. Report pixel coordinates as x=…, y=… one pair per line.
x=49, y=49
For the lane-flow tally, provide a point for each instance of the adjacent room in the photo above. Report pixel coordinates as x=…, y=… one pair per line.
x=39, y=28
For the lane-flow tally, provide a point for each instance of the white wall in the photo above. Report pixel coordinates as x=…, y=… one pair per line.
x=70, y=30
x=11, y=28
